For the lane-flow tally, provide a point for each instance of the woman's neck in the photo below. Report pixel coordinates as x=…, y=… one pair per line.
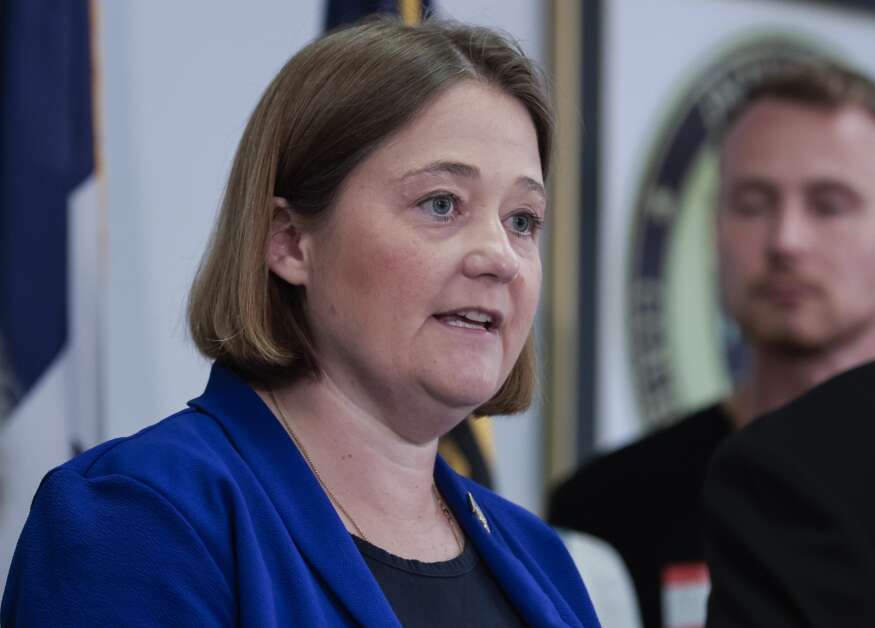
x=380, y=477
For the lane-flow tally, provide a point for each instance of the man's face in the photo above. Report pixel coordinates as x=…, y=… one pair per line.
x=796, y=225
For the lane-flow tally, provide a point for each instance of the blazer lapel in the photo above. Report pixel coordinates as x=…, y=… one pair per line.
x=523, y=591
x=312, y=523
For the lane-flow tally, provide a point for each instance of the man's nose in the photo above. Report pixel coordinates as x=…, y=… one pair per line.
x=791, y=230
x=491, y=254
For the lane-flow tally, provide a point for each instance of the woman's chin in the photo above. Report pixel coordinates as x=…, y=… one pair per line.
x=463, y=391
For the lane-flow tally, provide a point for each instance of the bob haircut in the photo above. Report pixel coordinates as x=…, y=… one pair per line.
x=330, y=107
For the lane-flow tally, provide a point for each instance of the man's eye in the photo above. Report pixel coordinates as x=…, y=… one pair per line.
x=751, y=203
x=749, y=208
x=826, y=206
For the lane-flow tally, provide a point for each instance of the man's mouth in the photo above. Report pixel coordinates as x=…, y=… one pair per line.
x=786, y=290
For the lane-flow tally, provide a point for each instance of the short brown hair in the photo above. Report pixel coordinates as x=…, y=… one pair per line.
x=326, y=111
x=822, y=84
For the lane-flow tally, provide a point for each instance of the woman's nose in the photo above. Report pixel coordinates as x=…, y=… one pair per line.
x=491, y=255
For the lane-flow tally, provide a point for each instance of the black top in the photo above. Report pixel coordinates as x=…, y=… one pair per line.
x=790, y=513
x=457, y=592
x=645, y=500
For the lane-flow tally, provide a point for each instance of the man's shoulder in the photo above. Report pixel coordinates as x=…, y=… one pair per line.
x=840, y=410
x=667, y=451
x=701, y=428
x=818, y=446
x=664, y=470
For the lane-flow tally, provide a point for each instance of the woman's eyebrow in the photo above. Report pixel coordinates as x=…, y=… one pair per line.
x=470, y=172
x=444, y=167
x=532, y=185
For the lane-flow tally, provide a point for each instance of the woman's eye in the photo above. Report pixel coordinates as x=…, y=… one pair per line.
x=441, y=206
x=524, y=224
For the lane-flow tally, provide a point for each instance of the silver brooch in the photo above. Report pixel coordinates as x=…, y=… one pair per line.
x=478, y=513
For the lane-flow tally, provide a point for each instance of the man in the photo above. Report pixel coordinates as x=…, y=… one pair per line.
x=790, y=518
x=795, y=231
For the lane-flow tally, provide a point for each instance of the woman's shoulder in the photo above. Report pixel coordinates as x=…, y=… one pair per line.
x=174, y=477
x=121, y=527
x=534, y=544
x=189, y=438
x=185, y=460
x=502, y=513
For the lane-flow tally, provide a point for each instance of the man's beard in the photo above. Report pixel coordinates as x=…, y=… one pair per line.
x=792, y=341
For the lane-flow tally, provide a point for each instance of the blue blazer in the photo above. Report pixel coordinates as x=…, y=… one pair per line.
x=212, y=518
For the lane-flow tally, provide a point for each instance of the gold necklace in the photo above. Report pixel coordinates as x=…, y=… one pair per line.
x=437, y=495
x=448, y=515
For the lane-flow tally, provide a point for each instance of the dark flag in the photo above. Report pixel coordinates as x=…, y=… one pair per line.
x=48, y=248
x=46, y=151
x=340, y=12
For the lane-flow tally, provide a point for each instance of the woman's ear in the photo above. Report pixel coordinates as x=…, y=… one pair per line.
x=288, y=246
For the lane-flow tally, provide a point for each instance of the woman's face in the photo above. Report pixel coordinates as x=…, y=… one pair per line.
x=423, y=282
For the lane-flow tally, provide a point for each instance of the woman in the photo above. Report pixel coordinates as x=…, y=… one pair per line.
x=371, y=281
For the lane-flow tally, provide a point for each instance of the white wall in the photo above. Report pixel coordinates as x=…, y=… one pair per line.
x=179, y=81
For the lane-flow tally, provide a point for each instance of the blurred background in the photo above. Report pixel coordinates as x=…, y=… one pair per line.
x=131, y=112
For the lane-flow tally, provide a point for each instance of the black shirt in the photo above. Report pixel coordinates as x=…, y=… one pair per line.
x=790, y=516
x=645, y=499
x=457, y=592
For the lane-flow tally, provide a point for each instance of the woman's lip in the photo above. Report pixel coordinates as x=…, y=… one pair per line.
x=495, y=317
x=460, y=326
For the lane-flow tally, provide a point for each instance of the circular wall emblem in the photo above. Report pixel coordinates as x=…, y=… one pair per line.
x=684, y=351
